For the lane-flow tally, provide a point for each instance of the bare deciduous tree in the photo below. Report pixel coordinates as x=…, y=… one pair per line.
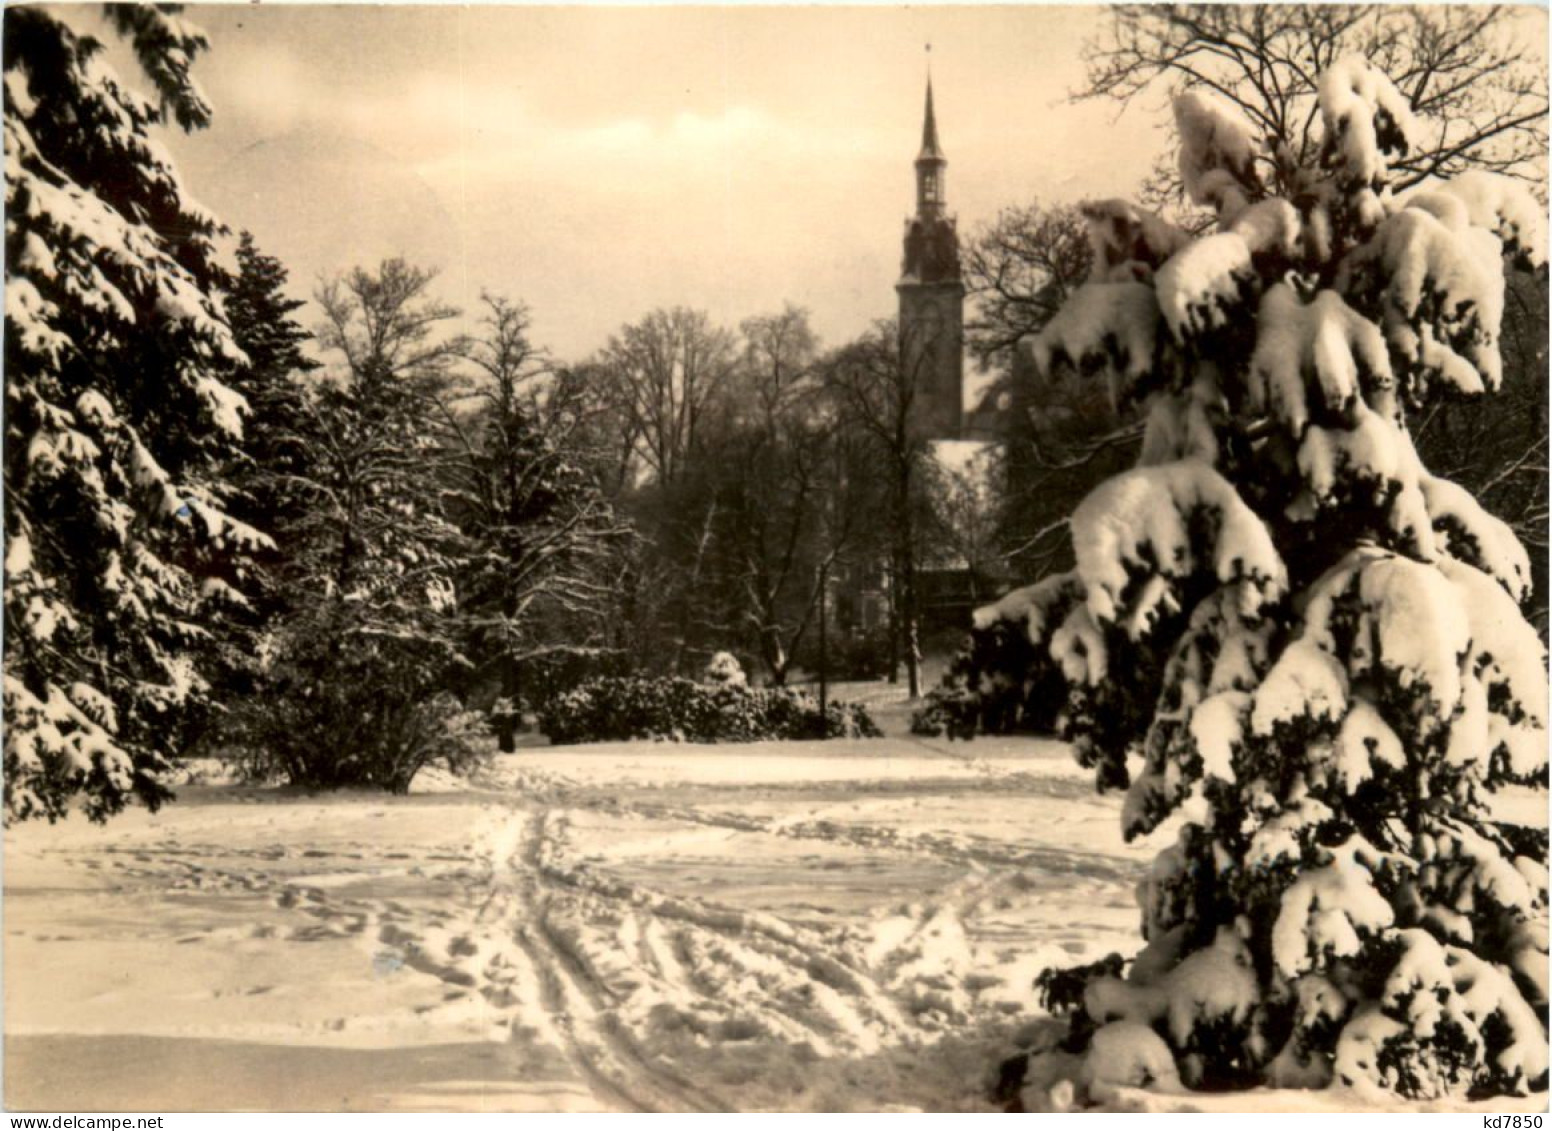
x=1480, y=93
x=875, y=380
x=967, y=515
x=1018, y=270
x=774, y=484
x=1065, y=435
x=666, y=375
x=386, y=324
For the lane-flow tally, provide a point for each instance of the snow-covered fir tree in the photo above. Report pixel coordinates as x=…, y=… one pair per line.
x=353, y=674
x=1312, y=643
x=266, y=478
x=262, y=317
x=539, y=528
x=119, y=554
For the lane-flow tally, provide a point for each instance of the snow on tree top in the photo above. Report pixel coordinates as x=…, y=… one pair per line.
x=1207, y=285
x=1271, y=226
x=1441, y=297
x=1366, y=119
x=1128, y=242
x=1506, y=208
x=1217, y=153
x=1317, y=358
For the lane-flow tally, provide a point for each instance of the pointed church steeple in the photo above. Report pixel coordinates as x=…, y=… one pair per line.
x=931, y=243
x=930, y=165
x=932, y=294
x=930, y=150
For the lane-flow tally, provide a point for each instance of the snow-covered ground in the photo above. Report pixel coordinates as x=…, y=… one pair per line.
x=775, y=926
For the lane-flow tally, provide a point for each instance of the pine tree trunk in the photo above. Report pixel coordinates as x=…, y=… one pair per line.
x=910, y=641
x=506, y=722
x=894, y=621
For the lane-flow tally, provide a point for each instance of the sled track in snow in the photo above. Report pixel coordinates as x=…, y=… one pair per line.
x=962, y=850
x=553, y=990
x=581, y=1007
x=642, y=997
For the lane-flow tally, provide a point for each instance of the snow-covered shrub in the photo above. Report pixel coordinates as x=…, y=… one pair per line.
x=1000, y=682
x=622, y=708
x=1285, y=634
x=724, y=670
x=367, y=715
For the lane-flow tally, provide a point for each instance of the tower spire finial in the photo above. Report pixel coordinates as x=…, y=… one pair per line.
x=930, y=150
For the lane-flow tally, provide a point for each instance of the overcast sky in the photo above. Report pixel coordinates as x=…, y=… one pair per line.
x=597, y=163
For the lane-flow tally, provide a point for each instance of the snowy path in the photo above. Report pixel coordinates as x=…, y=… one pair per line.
x=635, y=927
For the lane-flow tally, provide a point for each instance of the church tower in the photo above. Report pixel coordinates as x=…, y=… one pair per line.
x=932, y=296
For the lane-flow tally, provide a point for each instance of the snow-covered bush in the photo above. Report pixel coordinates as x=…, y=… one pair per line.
x=724, y=670
x=348, y=738
x=1000, y=682
x=367, y=714
x=122, y=558
x=1285, y=634
x=622, y=708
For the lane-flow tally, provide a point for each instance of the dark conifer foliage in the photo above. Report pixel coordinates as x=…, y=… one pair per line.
x=539, y=528
x=353, y=675
x=274, y=464
x=121, y=555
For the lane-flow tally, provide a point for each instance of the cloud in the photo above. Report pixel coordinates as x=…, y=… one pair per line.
x=267, y=87
x=599, y=163
x=734, y=126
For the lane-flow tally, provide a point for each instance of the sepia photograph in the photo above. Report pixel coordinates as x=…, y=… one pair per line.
x=869, y=559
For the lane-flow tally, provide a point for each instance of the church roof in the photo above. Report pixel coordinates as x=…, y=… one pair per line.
x=930, y=150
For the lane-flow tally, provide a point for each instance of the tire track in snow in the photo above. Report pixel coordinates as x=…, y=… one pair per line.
x=561, y=1009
